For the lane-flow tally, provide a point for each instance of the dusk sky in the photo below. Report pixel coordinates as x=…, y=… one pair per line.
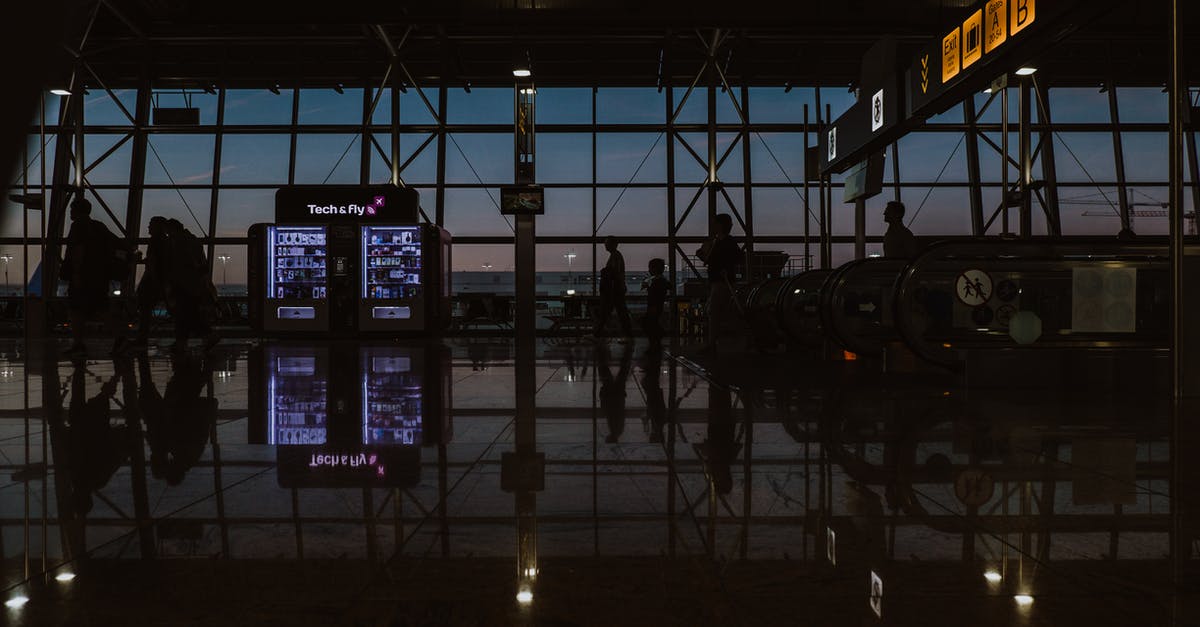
x=180, y=167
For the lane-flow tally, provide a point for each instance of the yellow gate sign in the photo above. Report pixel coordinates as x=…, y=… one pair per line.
x=972, y=34
x=1022, y=14
x=995, y=24
x=950, y=50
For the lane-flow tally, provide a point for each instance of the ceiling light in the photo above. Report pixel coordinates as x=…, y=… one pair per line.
x=1026, y=71
x=992, y=576
x=522, y=72
x=1024, y=600
x=988, y=90
x=19, y=602
x=64, y=577
x=524, y=597
x=61, y=92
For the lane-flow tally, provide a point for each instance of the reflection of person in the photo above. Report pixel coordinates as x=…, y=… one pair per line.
x=178, y=423
x=656, y=408
x=898, y=241
x=721, y=254
x=656, y=288
x=612, y=389
x=90, y=256
x=612, y=290
x=719, y=446
x=96, y=449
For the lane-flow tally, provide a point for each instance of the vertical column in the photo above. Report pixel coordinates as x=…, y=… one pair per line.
x=1026, y=217
x=214, y=199
x=441, y=146
x=137, y=166
x=395, y=122
x=1119, y=157
x=973, y=178
x=1049, y=173
x=672, y=230
x=747, y=191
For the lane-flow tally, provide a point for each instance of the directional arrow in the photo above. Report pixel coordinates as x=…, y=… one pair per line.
x=867, y=307
x=924, y=73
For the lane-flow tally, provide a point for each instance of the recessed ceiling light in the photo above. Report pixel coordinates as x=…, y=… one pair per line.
x=61, y=92
x=1026, y=71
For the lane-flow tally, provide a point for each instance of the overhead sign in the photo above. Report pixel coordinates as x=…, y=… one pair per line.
x=995, y=24
x=1021, y=15
x=877, y=111
x=972, y=34
x=973, y=287
x=951, y=51
x=328, y=204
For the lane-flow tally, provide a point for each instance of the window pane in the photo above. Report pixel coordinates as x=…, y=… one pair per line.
x=564, y=158
x=482, y=268
x=422, y=169
x=693, y=109
x=691, y=158
x=326, y=106
x=936, y=211
x=630, y=105
x=631, y=158
x=929, y=157
x=564, y=106
x=780, y=211
x=179, y=159
x=1084, y=157
x=773, y=105
x=324, y=158
x=189, y=206
x=117, y=202
x=488, y=105
x=254, y=159
x=99, y=109
x=1145, y=157
x=1142, y=104
x=229, y=269
x=1077, y=104
x=475, y=212
x=631, y=211
x=237, y=209
x=114, y=169
x=776, y=157
x=258, y=106
x=568, y=212
x=488, y=156
x=729, y=147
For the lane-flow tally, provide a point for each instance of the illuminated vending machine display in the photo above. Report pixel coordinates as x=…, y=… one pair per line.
x=297, y=278
x=393, y=278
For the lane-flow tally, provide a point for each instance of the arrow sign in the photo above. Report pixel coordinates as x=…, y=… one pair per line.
x=924, y=73
x=867, y=307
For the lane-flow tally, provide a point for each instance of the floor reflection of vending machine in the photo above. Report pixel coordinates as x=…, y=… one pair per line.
x=405, y=283
x=297, y=396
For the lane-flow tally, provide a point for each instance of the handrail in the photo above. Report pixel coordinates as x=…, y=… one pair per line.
x=1038, y=269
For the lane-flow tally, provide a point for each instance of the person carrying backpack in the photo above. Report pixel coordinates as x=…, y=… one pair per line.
x=192, y=296
x=94, y=257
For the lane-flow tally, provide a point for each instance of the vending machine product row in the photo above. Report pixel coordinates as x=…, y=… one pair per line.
x=348, y=278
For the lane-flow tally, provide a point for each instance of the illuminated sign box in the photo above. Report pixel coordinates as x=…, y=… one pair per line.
x=327, y=204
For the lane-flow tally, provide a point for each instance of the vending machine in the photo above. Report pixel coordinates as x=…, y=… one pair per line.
x=405, y=278
x=345, y=260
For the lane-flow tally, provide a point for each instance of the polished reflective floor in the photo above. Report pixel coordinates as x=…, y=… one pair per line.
x=314, y=483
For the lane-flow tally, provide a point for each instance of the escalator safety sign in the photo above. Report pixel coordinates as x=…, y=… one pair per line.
x=973, y=287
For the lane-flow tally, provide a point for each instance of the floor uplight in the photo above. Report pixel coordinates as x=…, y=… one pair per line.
x=1023, y=600
x=64, y=577
x=524, y=597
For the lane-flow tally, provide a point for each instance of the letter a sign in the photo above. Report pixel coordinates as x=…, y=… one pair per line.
x=995, y=24
x=1022, y=15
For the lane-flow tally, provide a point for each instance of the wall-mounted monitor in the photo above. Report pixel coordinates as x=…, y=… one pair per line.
x=522, y=200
